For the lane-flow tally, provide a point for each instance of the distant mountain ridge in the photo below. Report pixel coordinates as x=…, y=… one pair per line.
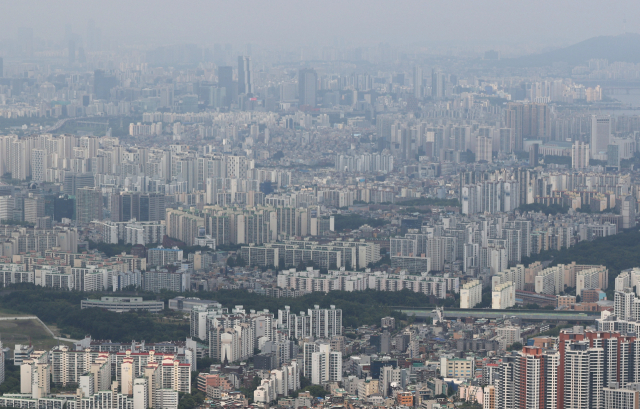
x=623, y=47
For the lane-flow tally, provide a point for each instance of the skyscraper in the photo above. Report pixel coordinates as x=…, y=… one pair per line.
x=600, y=133
x=418, y=82
x=88, y=205
x=437, y=84
x=140, y=206
x=1, y=68
x=613, y=156
x=513, y=120
x=225, y=80
x=74, y=181
x=307, y=87
x=245, y=76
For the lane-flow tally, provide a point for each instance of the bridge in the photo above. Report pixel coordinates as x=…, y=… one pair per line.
x=525, y=315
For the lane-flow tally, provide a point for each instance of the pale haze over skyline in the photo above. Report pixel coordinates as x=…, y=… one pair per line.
x=354, y=22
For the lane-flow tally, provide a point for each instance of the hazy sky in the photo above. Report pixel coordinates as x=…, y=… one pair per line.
x=297, y=22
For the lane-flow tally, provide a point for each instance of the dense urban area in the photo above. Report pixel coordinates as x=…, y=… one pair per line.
x=339, y=227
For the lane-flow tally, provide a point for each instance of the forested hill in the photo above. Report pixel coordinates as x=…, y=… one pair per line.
x=623, y=47
x=62, y=309
x=617, y=253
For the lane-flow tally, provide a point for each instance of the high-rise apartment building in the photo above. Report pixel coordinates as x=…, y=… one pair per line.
x=38, y=165
x=534, y=154
x=580, y=154
x=156, y=281
x=471, y=294
x=484, y=149
x=321, y=364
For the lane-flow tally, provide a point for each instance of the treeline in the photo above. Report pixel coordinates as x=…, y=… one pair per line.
x=430, y=201
x=358, y=307
x=62, y=308
x=539, y=207
x=617, y=253
x=110, y=250
x=354, y=222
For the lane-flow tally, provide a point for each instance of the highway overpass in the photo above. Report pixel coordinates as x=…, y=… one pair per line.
x=525, y=315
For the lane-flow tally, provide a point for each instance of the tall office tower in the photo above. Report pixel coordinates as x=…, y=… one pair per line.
x=437, y=84
x=33, y=208
x=307, y=87
x=600, y=134
x=513, y=119
x=88, y=205
x=534, y=154
x=405, y=143
x=1, y=67
x=613, y=156
x=72, y=52
x=579, y=155
x=418, y=82
x=74, y=181
x=245, y=76
x=483, y=149
x=225, y=80
x=143, y=207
